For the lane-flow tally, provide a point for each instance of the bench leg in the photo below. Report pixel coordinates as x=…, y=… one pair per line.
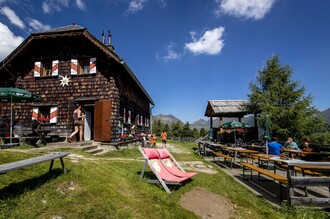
x=62, y=163
x=280, y=195
x=245, y=169
x=51, y=165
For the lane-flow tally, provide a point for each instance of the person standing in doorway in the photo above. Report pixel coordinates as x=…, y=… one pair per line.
x=164, y=138
x=78, y=123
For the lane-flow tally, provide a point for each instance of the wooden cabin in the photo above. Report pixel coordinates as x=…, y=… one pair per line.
x=67, y=66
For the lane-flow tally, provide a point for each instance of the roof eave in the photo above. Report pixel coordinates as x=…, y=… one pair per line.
x=137, y=82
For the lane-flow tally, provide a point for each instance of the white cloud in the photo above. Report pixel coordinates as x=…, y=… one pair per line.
x=162, y=3
x=135, y=6
x=8, y=41
x=210, y=43
x=255, y=9
x=81, y=4
x=13, y=18
x=50, y=6
x=37, y=25
x=171, y=53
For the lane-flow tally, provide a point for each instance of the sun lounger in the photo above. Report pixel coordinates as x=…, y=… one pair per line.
x=164, y=177
x=172, y=165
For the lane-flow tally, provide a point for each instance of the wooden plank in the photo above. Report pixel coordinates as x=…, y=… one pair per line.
x=310, y=201
x=277, y=177
x=308, y=163
x=310, y=181
x=4, y=168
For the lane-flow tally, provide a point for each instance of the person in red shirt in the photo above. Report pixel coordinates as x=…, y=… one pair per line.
x=164, y=138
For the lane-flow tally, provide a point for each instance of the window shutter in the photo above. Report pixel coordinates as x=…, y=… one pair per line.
x=37, y=69
x=137, y=120
x=129, y=117
x=35, y=112
x=53, y=114
x=92, y=66
x=74, y=66
x=55, y=68
x=124, y=116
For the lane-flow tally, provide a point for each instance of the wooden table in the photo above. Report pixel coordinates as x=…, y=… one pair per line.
x=256, y=147
x=264, y=158
x=320, y=169
x=241, y=150
x=304, y=153
x=218, y=146
x=42, y=134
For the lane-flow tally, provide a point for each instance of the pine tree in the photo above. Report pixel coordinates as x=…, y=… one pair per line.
x=275, y=94
x=202, y=132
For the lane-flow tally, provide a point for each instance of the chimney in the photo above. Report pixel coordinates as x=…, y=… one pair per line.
x=110, y=46
x=103, y=37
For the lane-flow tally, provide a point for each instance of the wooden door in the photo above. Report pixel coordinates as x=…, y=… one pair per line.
x=102, y=120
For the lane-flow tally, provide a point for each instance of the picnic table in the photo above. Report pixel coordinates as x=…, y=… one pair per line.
x=255, y=147
x=42, y=134
x=241, y=151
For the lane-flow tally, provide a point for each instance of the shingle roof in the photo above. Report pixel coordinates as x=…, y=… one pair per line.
x=77, y=29
x=227, y=108
x=72, y=27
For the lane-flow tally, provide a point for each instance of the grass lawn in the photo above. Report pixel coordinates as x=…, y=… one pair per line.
x=108, y=187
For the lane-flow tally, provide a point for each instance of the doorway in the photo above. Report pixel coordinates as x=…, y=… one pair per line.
x=88, y=122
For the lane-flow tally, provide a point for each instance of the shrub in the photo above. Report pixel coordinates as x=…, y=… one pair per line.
x=320, y=138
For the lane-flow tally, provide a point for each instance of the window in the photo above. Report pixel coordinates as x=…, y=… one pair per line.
x=45, y=114
x=83, y=66
x=46, y=68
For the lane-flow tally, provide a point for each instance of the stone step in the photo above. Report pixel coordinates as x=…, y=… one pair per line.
x=95, y=151
x=89, y=147
x=86, y=143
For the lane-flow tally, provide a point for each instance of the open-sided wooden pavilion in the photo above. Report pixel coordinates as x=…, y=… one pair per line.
x=227, y=108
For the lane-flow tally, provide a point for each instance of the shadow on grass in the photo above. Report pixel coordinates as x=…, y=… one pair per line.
x=266, y=187
x=16, y=189
x=149, y=175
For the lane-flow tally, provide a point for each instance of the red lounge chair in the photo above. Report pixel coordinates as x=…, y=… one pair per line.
x=152, y=158
x=172, y=165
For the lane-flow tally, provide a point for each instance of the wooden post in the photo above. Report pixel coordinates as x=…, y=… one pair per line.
x=290, y=173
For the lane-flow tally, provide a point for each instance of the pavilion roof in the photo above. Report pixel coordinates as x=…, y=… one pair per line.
x=227, y=108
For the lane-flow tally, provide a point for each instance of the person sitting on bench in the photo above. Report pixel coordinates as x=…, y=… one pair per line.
x=35, y=126
x=274, y=147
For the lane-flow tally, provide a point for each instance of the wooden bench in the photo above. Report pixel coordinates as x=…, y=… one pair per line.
x=281, y=179
x=4, y=168
x=225, y=157
x=302, y=171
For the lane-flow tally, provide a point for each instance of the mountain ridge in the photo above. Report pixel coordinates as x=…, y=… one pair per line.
x=202, y=123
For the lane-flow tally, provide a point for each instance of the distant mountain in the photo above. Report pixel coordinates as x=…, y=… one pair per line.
x=201, y=123
x=169, y=119
x=326, y=114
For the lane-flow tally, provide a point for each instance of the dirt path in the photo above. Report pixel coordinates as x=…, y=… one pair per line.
x=200, y=201
x=207, y=204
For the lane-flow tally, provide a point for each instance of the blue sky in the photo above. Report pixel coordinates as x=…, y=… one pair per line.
x=185, y=52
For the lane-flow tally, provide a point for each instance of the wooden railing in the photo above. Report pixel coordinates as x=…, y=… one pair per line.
x=307, y=181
